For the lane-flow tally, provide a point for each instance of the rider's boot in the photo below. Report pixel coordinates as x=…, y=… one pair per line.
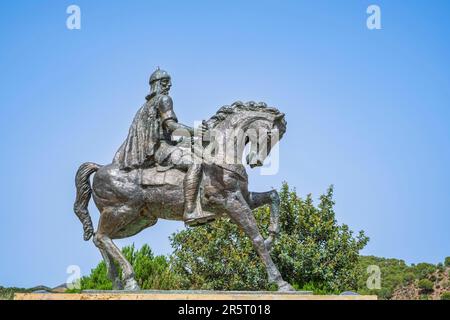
x=193, y=214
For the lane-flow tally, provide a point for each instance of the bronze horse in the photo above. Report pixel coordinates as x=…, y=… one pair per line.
x=130, y=201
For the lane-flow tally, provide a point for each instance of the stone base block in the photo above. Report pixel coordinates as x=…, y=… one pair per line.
x=186, y=295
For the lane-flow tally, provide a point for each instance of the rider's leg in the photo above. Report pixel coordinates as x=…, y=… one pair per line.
x=191, y=186
x=191, y=182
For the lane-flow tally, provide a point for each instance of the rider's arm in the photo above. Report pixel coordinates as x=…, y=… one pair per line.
x=168, y=117
x=172, y=125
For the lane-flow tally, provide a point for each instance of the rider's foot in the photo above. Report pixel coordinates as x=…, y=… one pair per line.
x=193, y=219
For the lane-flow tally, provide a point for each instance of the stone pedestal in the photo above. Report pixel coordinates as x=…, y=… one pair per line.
x=186, y=295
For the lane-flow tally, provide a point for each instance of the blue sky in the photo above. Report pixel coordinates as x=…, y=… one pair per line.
x=367, y=111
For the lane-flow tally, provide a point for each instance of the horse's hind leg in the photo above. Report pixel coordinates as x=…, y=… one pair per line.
x=107, y=245
x=111, y=268
x=239, y=211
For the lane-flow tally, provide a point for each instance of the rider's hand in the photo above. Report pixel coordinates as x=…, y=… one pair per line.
x=203, y=129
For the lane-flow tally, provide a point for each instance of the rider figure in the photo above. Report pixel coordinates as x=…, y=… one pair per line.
x=149, y=141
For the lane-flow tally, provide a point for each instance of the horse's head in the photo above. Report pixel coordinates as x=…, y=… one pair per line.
x=250, y=123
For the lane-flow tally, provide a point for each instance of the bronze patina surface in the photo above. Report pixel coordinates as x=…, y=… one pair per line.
x=195, y=179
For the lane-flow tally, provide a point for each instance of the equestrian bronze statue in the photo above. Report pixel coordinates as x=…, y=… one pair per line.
x=196, y=178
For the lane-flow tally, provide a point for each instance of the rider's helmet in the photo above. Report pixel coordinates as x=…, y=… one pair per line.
x=158, y=75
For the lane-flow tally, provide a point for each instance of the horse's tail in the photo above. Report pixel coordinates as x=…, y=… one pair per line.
x=84, y=191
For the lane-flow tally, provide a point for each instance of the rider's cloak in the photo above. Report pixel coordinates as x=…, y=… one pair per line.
x=145, y=134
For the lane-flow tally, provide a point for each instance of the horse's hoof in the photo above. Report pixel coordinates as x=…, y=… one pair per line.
x=284, y=286
x=117, y=285
x=131, y=285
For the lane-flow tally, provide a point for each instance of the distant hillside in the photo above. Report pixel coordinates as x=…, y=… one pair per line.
x=400, y=281
x=8, y=293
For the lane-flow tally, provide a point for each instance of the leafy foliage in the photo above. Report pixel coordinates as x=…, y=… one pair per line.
x=8, y=293
x=447, y=262
x=312, y=251
x=445, y=296
x=422, y=270
x=425, y=285
x=151, y=272
x=394, y=272
x=97, y=280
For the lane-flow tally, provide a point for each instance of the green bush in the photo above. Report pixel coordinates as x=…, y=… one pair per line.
x=423, y=270
x=409, y=277
x=151, y=272
x=425, y=285
x=445, y=296
x=315, y=288
x=8, y=293
x=97, y=280
x=385, y=293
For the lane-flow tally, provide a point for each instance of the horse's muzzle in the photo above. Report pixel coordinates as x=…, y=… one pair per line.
x=254, y=160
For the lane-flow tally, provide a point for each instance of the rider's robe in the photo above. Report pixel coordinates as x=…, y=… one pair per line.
x=146, y=133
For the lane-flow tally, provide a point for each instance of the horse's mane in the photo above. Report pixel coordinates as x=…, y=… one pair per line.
x=239, y=106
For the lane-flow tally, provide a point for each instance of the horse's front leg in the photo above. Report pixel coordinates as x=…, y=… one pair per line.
x=258, y=199
x=241, y=214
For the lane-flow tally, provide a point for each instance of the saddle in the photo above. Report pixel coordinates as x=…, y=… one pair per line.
x=161, y=175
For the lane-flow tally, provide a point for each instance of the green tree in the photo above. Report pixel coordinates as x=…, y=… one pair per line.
x=423, y=270
x=312, y=251
x=151, y=272
x=447, y=262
